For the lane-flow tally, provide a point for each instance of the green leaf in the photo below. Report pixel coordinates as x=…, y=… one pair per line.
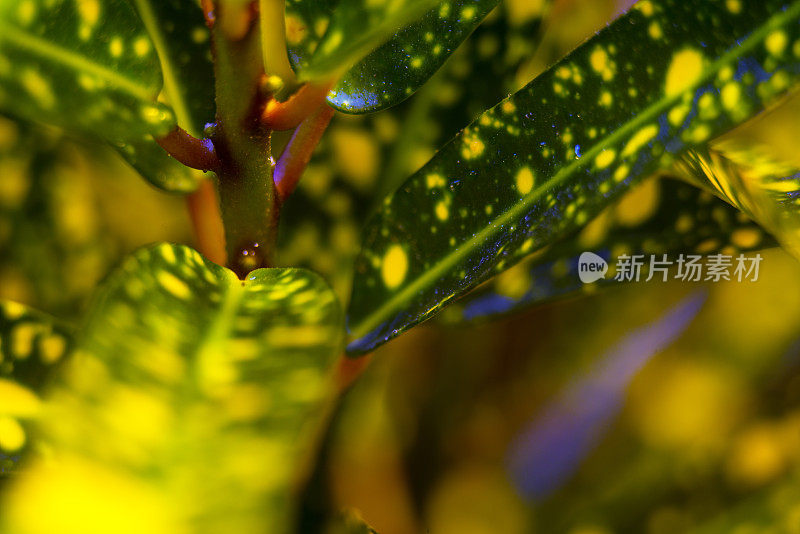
x=158, y=167
x=363, y=157
x=32, y=346
x=88, y=66
x=546, y=160
x=399, y=67
x=190, y=402
x=182, y=40
x=326, y=38
x=659, y=216
x=763, y=187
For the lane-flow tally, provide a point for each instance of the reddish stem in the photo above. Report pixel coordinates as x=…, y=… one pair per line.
x=289, y=114
x=209, y=231
x=191, y=151
x=297, y=154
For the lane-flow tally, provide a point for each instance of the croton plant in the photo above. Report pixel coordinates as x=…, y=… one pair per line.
x=191, y=396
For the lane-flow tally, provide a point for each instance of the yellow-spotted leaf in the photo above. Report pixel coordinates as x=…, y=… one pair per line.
x=190, y=403
x=659, y=216
x=182, y=42
x=32, y=347
x=546, y=160
x=84, y=65
x=395, y=70
x=328, y=37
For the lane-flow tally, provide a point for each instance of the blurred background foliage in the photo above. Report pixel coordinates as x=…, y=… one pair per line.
x=707, y=434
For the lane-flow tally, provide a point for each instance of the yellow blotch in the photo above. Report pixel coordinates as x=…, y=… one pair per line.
x=174, y=285
x=17, y=400
x=473, y=146
x=776, y=42
x=12, y=435
x=52, y=348
x=605, y=158
x=434, y=180
x=746, y=237
x=295, y=30
x=416, y=62
x=757, y=456
x=646, y=7
x=731, y=94
x=734, y=6
x=684, y=71
x=684, y=224
x=508, y=107
x=640, y=139
x=394, y=266
x=141, y=46
x=85, y=497
x=621, y=173
x=115, y=47
x=468, y=13
x=13, y=310
x=22, y=339
x=514, y=282
x=26, y=11
x=524, y=180
x=677, y=114
x=655, y=30
x=89, y=11
x=38, y=87
x=601, y=64
x=639, y=204
x=442, y=212
x=357, y=156
x=605, y=99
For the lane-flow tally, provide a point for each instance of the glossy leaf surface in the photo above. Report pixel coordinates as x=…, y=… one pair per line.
x=546, y=160
x=32, y=346
x=192, y=394
x=363, y=157
x=766, y=189
x=327, y=38
x=396, y=69
x=659, y=216
x=88, y=66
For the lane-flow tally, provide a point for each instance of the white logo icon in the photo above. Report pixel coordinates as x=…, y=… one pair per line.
x=591, y=267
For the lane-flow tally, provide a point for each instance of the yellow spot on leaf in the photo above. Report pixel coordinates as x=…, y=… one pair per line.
x=434, y=180
x=174, y=285
x=602, y=64
x=115, y=47
x=776, y=42
x=39, y=88
x=52, y=348
x=605, y=158
x=89, y=11
x=655, y=30
x=524, y=180
x=746, y=238
x=473, y=146
x=295, y=30
x=734, y=6
x=639, y=204
x=12, y=436
x=394, y=266
x=442, y=213
x=731, y=94
x=141, y=46
x=17, y=400
x=640, y=139
x=684, y=71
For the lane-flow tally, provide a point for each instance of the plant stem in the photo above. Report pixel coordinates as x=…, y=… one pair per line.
x=191, y=151
x=289, y=114
x=273, y=42
x=298, y=152
x=203, y=208
x=247, y=192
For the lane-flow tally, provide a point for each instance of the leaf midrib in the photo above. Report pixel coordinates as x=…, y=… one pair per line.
x=432, y=274
x=179, y=105
x=78, y=62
